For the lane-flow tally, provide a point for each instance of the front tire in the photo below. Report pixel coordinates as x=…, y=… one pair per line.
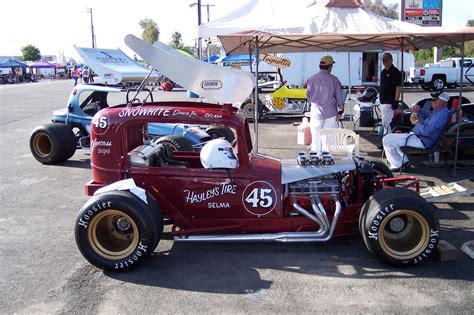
x=399, y=227
x=116, y=231
x=52, y=143
x=381, y=170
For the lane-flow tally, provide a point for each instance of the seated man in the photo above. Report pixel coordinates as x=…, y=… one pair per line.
x=429, y=125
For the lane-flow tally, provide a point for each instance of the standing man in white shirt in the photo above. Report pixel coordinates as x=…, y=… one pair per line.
x=324, y=93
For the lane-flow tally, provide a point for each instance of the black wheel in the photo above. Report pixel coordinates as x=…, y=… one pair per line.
x=466, y=130
x=52, y=143
x=221, y=132
x=176, y=143
x=248, y=110
x=438, y=83
x=399, y=227
x=117, y=230
x=425, y=86
x=381, y=170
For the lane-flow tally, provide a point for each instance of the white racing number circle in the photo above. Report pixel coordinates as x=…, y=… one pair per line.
x=259, y=198
x=100, y=123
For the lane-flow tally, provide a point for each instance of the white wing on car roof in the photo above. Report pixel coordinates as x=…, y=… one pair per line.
x=113, y=65
x=213, y=82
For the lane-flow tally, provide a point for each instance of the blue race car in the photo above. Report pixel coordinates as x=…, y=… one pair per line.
x=56, y=142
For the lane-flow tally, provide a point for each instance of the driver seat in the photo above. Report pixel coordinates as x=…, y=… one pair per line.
x=165, y=157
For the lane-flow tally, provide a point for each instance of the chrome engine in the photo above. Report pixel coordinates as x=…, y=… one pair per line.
x=315, y=189
x=316, y=186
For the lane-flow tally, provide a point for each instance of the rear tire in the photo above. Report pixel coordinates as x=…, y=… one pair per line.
x=176, y=143
x=52, y=143
x=465, y=130
x=221, y=132
x=116, y=230
x=399, y=227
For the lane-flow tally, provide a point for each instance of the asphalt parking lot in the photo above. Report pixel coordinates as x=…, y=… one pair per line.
x=41, y=270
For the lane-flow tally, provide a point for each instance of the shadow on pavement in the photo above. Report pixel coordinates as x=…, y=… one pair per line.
x=241, y=268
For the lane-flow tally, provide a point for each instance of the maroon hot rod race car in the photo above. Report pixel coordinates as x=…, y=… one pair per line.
x=229, y=192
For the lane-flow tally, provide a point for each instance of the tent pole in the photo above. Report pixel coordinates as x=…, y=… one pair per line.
x=256, y=107
x=458, y=110
x=402, y=92
x=350, y=97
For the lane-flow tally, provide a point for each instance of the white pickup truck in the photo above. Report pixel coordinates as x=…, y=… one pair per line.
x=443, y=74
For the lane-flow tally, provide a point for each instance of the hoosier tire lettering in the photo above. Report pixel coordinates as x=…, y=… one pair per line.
x=116, y=230
x=399, y=227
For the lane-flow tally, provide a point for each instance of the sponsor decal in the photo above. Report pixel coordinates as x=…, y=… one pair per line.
x=195, y=197
x=102, y=147
x=211, y=84
x=277, y=61
x=143, y=111
x=208, y=115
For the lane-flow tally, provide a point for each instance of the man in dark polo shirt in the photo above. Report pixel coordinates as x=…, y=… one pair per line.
x=390, y=87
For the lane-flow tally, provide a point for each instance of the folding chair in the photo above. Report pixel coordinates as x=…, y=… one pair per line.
x=339, y=142
x=431, y=150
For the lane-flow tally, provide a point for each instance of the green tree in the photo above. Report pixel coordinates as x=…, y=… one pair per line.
x=449, y=51
x=469, y=48
x=176, y=43
x=31, y=53
x=176, y=39
x=390, y=11
x=151, y=32
x=470, y=23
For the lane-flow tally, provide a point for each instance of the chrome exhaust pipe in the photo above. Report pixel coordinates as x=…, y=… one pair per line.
x=284, y=237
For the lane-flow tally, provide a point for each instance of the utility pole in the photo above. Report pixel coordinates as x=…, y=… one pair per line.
x=199, y=44
x=89, y=10
x=199, y=5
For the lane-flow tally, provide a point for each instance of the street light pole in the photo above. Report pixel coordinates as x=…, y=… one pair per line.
x=89, y=10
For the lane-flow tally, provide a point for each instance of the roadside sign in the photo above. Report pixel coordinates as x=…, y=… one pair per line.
x=422, y=12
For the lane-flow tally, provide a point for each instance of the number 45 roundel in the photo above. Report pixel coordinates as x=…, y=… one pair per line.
x=100, y=123
x=259, y=198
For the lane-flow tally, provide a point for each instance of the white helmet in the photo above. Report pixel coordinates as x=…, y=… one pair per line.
x=218, y=153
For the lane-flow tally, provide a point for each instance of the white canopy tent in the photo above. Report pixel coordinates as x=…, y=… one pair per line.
x=273, y=26
x=330, y=25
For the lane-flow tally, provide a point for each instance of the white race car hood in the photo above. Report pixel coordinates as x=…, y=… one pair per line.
x=292, y=172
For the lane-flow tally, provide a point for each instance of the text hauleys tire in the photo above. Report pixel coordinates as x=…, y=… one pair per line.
x=52, y=143
x=176, y=143
x=116, y=231
x=399, y=227
x=221, y=132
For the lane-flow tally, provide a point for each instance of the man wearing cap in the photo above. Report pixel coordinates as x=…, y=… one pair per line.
x=390, y=88
x=429, y=126
x=324, y=93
